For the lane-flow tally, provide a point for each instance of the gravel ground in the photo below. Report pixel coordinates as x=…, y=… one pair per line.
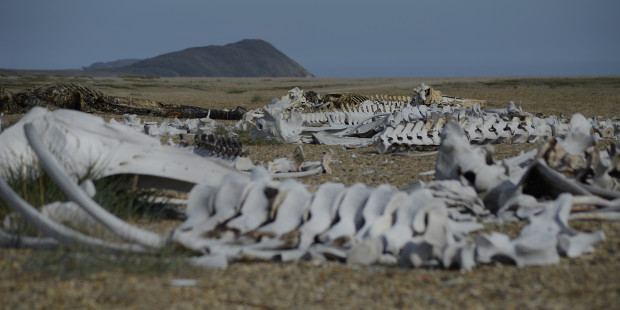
x=67, y=279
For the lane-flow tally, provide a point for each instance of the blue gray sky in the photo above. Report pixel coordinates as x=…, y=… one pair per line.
x=347, y=38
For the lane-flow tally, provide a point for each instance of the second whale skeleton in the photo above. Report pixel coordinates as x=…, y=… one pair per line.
x=232, y=216
x=395, y=124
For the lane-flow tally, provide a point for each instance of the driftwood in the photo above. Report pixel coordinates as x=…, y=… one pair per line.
x=79, y=97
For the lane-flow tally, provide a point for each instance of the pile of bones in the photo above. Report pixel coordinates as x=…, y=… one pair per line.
x=237, y=211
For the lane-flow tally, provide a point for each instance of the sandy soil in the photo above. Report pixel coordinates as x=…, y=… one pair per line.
x=63, y=279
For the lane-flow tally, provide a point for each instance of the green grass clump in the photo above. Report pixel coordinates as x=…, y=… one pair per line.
x=37, y=191
x=256, y=98
x=235, y=91
x=244, y=137
x=113, y=193
x=35, y=79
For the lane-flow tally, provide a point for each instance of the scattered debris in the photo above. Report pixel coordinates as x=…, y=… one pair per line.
x=234, y=216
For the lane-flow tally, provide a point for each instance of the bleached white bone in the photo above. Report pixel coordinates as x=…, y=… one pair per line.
x=197, y=209
x=290, y=211
x=325, y=138
x=460, y=253
x=539, y=239
x=366, y=252
x=75, y=193
x=384, y=221
x=225, y=203
x=322, y=210
x=254, y=208
x=374, y=208
x=349, y=214
x=88, y=144
x=402, y=232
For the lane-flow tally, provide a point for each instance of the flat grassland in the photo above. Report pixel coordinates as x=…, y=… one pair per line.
x=62, y=279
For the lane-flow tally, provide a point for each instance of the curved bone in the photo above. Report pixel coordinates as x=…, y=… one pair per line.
x=374, y=207
x=349, y=213
x=197, y=211
x=226, y=201
x=290, y=211
x=254, y=208
x=384, y=221
x=11, y=241
x=555, y=179
x=494, y=246
x=401, y=232
x=88, y=144
x=322, y=210
x=61, y=233
x=75, y=193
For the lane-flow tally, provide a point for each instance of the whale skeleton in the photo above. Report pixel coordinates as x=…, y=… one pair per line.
x=233, y=216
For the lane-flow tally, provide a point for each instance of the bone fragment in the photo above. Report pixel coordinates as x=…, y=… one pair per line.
x=210, y=261
x=11, y=241
x=365, y=253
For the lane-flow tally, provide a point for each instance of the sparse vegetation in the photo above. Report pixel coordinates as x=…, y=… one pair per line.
x=553, y=82
x=71, y=279
x=139, y=77
x=68, y=264
x=36, y=79
x=235, y=91
x=113, y=193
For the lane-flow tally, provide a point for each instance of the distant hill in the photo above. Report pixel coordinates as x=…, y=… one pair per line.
x=111, y=64
x=246, y=58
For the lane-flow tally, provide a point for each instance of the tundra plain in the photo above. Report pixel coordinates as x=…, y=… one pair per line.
x=63, y=279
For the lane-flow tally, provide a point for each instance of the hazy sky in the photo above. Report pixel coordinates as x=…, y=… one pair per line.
x=349, y=38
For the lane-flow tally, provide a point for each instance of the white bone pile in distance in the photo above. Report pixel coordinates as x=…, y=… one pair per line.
x=396, y=124
x=236, y=217
x=421, y=125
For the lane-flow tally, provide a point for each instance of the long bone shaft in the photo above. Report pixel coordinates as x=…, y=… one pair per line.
x=8, y=240
x=59, y=232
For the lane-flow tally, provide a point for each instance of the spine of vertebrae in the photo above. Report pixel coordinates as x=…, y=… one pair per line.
x=353, y=114
x=422, y=126
x=272, y=220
